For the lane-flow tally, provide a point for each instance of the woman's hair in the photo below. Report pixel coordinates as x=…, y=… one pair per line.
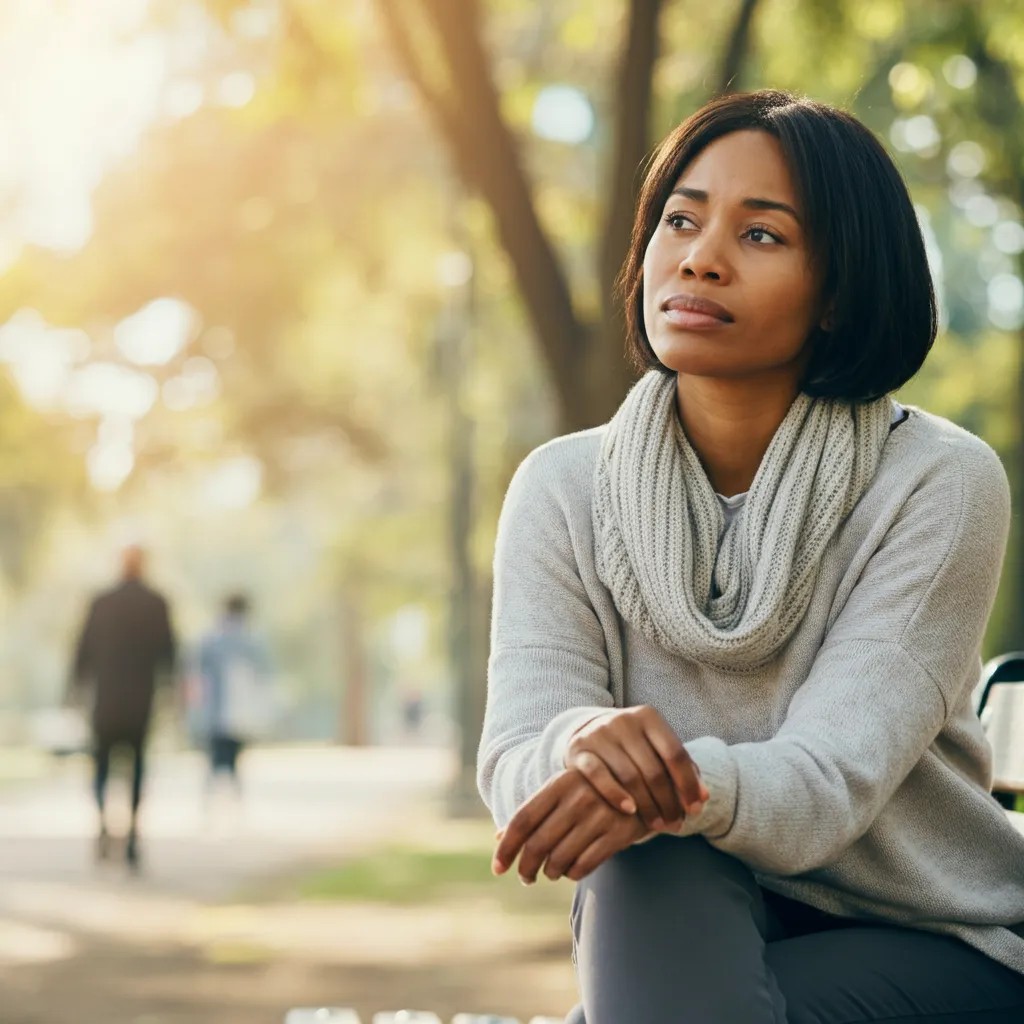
x=237, y=604
x=861, y=230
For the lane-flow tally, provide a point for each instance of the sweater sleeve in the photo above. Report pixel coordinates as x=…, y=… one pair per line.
x=892, y=666
x=548, y=669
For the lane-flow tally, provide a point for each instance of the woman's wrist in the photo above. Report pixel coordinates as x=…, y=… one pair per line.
x=579, y=728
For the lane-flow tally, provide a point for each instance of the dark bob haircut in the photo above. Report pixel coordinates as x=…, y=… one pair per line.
x=861, y=229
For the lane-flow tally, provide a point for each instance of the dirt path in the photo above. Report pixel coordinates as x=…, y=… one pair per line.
x=112, y=984
x=189, y=942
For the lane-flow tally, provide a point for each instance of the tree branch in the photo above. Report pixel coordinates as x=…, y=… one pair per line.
x=632, y=135
x=608, y=372
x=410, y=63
x=487, y=159
x=735, y=54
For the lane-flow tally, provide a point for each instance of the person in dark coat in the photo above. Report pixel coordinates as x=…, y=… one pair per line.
x=126, y=641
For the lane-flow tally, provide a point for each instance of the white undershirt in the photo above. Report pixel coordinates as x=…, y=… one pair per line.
x=731, y=506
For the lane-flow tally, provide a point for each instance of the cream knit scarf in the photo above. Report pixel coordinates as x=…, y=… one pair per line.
x=730, y=602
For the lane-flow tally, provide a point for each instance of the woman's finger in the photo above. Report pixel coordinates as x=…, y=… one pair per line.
x=599, y=775
x=579, y=802
x=680, y=766
x=545, y=838
x=592, y=857
x=657, y=777
x=625, y=770
x=581, y=836
x=526, y=820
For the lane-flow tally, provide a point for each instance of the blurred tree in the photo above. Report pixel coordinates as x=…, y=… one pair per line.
x=305, y=228
x=453, y=74
x=944, y=82
x=995, y=44
x=40, y=473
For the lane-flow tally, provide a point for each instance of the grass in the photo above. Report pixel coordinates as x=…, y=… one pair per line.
x=400, y=875
x=412, y=874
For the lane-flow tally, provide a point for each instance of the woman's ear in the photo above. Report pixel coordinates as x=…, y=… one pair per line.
x=828, y=318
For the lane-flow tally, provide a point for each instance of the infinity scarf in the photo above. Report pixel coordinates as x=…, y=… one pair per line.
x=728, y=602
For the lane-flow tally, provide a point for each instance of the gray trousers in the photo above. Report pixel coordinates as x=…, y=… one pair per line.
x=675, y=932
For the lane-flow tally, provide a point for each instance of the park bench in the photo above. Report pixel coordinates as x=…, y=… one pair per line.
x=999, y=703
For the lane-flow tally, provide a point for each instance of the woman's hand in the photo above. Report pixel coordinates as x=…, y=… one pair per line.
x=635, y=761
x=568, y=828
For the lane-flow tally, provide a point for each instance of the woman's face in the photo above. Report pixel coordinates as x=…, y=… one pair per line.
x=728, y=286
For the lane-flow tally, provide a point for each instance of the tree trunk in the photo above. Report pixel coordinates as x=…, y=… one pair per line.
x=609, y=375
x=586, y=361
x=487, y=159
x=353, y=731
x=736, y=51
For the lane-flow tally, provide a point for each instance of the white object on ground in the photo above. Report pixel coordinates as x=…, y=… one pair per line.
x=406, y=1017
x=482, y=1018
x=322, y=1015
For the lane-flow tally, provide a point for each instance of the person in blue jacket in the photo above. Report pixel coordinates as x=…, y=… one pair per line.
x=234, y=673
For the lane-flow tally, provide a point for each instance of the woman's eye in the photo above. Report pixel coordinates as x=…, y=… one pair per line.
x=761, y=235
x=678, y=220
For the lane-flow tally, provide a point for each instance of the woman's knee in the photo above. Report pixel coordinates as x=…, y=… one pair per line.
x=668, y=924
x=667, y=869
x=665, y=886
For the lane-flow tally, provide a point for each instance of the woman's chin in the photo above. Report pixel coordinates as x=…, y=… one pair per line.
x=699, y=357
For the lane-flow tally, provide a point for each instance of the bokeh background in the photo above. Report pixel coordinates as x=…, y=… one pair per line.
x=287, y=290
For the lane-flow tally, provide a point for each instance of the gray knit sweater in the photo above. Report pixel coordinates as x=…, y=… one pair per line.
x=850, y=772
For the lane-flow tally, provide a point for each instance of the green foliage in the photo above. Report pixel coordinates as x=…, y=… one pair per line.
x=310, y=223
x=410, y=875
x=39, y=473
x=399, y=875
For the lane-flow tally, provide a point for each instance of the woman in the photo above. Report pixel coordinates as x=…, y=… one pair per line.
x=737, y=629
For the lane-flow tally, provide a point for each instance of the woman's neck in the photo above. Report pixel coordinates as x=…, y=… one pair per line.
x=730, y=423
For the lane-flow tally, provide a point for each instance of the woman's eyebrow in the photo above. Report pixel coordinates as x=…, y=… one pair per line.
x=700, y=196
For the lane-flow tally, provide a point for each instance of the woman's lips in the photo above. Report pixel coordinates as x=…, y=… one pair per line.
x=693, y=321
x=695, y=313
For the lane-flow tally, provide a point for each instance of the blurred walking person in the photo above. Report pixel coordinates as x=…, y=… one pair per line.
x=414, y=709
x=126, y=642
x=235, y=689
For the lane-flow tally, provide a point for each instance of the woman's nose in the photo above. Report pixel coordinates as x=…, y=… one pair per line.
x=704, y=260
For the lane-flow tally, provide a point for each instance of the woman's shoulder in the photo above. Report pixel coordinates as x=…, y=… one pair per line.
x=562, y=467
x=548, y=502
x=930, y=446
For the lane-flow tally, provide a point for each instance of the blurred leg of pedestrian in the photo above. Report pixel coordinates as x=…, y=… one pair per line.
x=104, y=750
x=233, y=754
x=224, y=753
x=137, y=746
x=102, y=747
x=224, y=759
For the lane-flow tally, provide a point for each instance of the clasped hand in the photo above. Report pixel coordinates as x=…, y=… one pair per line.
x=627, y=776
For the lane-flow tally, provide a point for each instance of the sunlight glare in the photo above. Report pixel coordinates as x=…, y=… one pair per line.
x=156, y=333
x=76, y=91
